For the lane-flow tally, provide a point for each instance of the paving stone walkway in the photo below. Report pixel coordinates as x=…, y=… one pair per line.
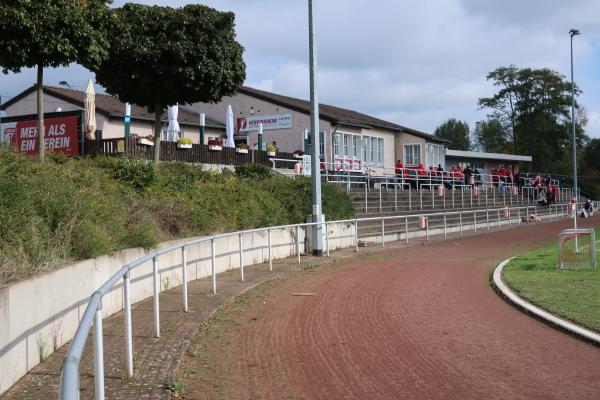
x=155, y=359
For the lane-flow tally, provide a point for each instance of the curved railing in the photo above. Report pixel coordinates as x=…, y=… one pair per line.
x=69, y=385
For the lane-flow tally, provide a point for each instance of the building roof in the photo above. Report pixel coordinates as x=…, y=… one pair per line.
x=334, y=114
x=112, y=107
x=487, y=156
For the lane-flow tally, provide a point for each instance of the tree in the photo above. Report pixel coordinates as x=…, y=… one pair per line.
x=161, y=56
x=457, y=132
x=591, y=158
x=51, y=33
x=491, y=136
x=535, y=105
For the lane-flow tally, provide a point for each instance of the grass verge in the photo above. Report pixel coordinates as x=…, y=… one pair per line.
x=573, y=294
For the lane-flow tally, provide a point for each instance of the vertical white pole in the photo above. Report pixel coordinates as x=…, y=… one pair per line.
x=213, y=266
x=406, y=228
x=98, y=354
x=327, y=238
x=270, y=250
x=475, y=220
x=156, y=281
x=383, y=232
x=356, y=235
x=241, y=258
x=460, y=222
x=184, y=273
x=128, y=328
x=298, y=242
x=487, y=219
x=317, y=207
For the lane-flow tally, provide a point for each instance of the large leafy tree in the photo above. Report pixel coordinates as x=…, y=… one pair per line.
x=535, y=106
x=161, y=56
x=491, y=136
x=457, y=132
x=591, y=158
x=51, y=33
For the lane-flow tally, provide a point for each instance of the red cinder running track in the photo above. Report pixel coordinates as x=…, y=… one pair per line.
x=417, y=322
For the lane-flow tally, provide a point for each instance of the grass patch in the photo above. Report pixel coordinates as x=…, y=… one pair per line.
x=72, y=209
x=573, y=294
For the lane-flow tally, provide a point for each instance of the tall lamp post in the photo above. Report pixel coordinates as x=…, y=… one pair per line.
x=315, y=146
x=574, y=32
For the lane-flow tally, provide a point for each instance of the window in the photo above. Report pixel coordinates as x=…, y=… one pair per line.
x=347, y=145
x=374, y=148
x=336, y=144
x=412, y=154
x=356, y=146
x=363, y=149
x=380, y=155
x=435, y=155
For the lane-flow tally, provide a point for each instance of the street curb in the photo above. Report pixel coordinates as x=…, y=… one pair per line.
x=538, y=312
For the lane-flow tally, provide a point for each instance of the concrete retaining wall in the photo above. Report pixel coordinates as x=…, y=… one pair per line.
x=40, y=314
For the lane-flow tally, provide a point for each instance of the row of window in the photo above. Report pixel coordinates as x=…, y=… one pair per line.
x=369, y=149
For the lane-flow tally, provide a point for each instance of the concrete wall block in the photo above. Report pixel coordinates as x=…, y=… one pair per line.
x=30, y=327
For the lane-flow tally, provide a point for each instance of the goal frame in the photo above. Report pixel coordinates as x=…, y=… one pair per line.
x=574, y=234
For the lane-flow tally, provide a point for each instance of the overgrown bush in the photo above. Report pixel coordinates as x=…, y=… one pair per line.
x=70, y=209
x=140, y=173
x=252, y=171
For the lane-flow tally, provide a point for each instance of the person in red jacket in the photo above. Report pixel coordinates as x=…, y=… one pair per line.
x=399, y=170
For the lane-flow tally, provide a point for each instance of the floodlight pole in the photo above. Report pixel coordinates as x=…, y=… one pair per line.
x=315, y=148
x=574, y=32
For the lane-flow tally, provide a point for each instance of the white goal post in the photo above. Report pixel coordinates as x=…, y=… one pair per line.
x=577, y=248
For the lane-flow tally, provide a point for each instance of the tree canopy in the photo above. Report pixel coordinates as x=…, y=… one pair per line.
x=535, y=106
x=51, y=33
x=457, y=132
x=491, y=136
x=161, y=56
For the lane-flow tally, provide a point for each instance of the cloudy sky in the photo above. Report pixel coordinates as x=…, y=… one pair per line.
x=416, y=63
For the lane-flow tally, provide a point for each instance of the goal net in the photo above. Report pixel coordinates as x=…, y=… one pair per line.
x=577, y=248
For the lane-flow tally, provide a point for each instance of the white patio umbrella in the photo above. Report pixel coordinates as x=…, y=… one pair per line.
x=173, y=128
x=90, y=111
x=229, y=128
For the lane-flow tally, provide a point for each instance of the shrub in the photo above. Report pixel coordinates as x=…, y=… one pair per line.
x=140, y=173
x=252, y=171
x=184, y=140
x=81, y=208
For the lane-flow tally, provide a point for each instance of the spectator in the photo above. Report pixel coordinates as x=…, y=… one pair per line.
x=477, y=176
x=468, y=172
x=421, y=174
x=399, y=170
x=549, y=198
x=541, y=199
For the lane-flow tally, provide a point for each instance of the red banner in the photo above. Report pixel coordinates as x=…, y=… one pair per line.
x=60, y=136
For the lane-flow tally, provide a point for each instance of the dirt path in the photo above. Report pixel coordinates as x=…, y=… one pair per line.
x=417, y=322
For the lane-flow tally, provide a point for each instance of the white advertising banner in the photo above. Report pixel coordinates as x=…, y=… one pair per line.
x=281, y=121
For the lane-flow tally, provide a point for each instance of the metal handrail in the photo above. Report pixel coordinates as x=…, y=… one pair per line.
x=69, y=385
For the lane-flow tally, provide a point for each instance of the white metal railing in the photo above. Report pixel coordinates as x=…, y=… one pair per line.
x=70, y=378
x=350, y=174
